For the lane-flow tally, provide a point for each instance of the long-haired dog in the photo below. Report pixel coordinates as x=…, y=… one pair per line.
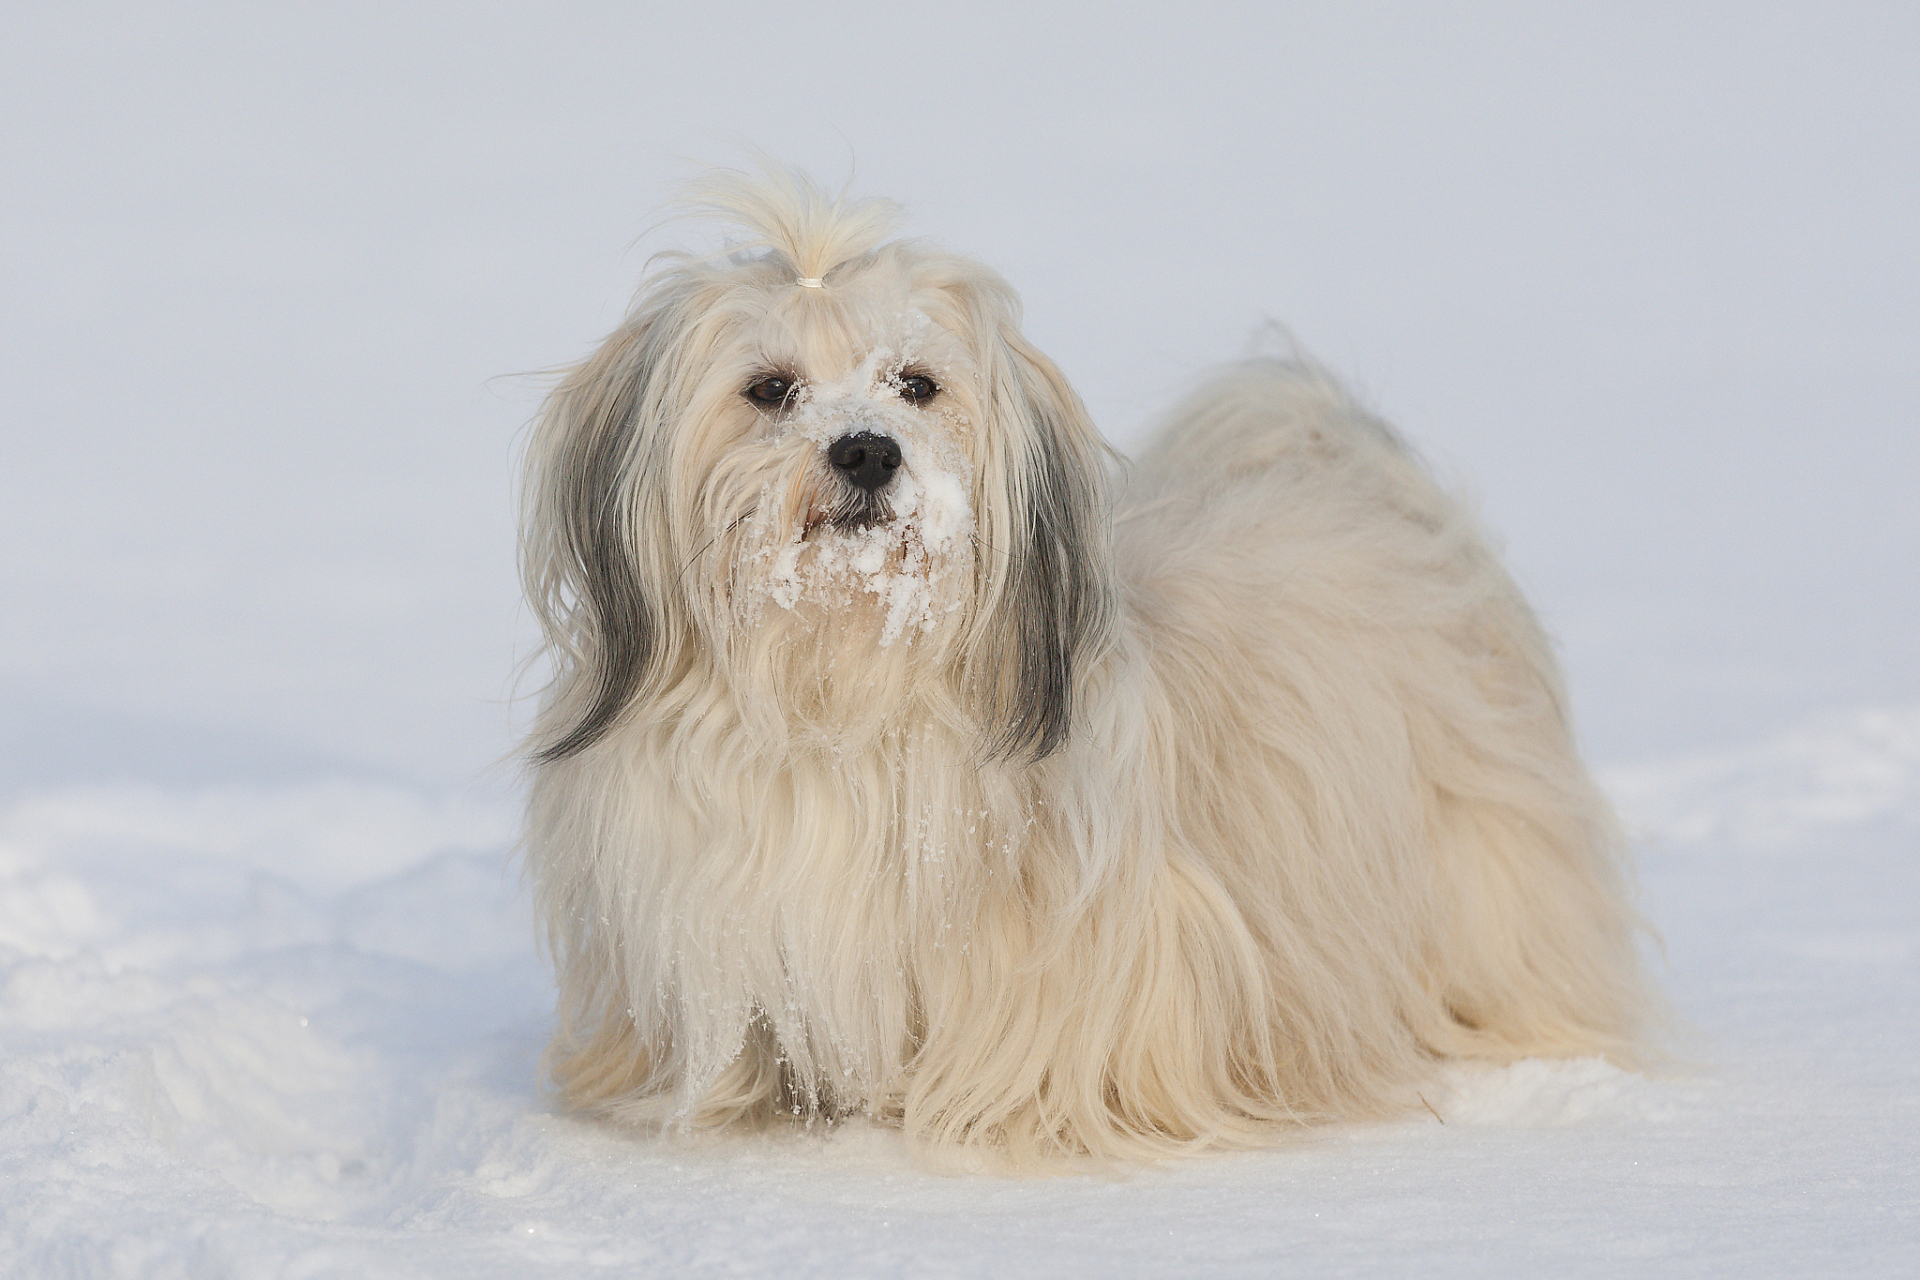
x=892, y=767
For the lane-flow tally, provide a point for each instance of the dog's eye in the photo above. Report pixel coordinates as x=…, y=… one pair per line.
x=918, y=388
x=770, y=392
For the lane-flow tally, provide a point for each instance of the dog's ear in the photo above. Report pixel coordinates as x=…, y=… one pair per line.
x=584, y=575
x=1052, y=607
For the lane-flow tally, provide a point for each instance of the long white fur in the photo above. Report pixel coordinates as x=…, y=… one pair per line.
x=1313, y=821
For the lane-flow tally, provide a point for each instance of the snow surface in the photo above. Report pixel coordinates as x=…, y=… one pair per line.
x=269, y=1004
x=228, y=1051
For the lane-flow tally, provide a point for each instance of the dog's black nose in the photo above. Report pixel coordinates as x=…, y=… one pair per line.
x=867, y=459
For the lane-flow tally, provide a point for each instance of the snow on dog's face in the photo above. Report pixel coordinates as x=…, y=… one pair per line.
x=826, y=478
x=848, y=501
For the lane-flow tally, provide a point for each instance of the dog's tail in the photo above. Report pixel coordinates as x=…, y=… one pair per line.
x=1251, y=414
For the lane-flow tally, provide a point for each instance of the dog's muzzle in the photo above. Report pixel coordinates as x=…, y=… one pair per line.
x=866, y=460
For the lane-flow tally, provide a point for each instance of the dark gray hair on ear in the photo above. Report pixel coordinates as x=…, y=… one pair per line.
x=582, y=572
x=1057, y=598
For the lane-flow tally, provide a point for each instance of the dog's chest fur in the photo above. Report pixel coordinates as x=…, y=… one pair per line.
x=792, y=903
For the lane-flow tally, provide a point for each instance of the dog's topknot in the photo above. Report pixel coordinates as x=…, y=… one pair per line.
x=785, y=213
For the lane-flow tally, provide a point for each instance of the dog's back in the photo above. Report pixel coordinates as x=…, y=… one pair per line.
x=1370, y=702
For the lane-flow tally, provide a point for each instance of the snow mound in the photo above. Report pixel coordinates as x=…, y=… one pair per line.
x=143, y=875
x=1540, y=1092
x=1840, y=771
x=325, y=834
x=249, y=1004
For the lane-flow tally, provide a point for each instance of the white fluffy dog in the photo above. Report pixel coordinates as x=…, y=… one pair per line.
x=893, y=767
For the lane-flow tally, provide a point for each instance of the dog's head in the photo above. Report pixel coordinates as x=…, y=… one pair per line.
x=825, y=477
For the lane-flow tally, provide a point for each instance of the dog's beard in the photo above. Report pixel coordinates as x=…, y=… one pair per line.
x=894, y=563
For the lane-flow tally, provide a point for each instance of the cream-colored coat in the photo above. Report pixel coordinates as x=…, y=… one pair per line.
x=1039, y=822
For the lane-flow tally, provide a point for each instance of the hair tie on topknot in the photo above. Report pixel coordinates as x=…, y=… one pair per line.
x=811, y=282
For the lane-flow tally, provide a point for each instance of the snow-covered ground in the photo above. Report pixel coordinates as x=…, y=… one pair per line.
x=292, y=1030
x=269, y=1003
